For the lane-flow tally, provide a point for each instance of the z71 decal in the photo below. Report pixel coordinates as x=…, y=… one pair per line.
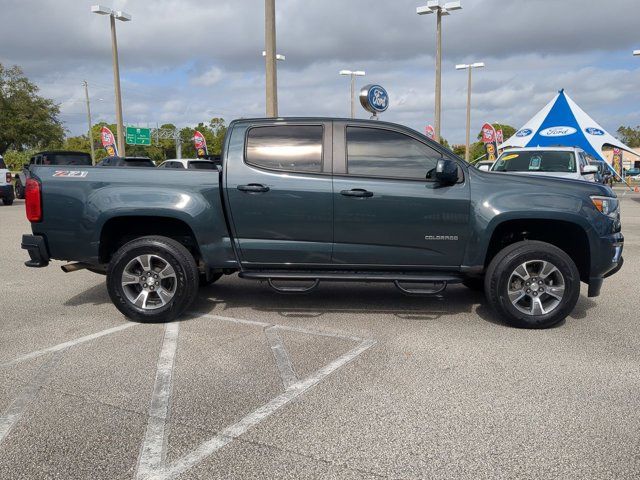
x=71, y=173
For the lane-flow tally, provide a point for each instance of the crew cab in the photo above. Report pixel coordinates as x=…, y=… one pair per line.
x=299, y=201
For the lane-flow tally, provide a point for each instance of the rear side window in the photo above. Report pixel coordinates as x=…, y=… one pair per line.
x=375, y=152
x=293, y=148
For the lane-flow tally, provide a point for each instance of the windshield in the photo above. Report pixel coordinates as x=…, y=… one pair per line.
x=66, y=159
x=202, y=165
x=536, y=161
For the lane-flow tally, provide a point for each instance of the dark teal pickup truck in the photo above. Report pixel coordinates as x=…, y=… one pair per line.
x=298, y=201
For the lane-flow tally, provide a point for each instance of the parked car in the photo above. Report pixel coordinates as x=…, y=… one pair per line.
x=562, y=162
x=6, y=184
x=126, y=162
x=484, y=165
x=320, y=199
x=189, y=164
x=52, y=157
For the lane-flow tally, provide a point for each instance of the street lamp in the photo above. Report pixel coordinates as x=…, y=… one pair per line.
x=123, y=17
x=468, y=67
x=271, y=69
x=440, y=10
x=353, y=74
x=280, y=58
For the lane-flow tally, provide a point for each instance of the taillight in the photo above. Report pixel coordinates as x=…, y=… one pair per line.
x=33, y=200
x=8, y=177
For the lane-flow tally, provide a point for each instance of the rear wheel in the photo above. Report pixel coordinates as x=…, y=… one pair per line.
x=7, y=200
x=532, y=284
x=152, y=279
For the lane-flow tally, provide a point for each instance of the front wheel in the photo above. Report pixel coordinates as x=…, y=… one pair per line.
x=532, y=284
x=152, y=279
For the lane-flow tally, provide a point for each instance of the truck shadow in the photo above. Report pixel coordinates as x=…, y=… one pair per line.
x=231, y=294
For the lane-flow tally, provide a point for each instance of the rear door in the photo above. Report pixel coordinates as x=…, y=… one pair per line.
x=279, y=193
x=388, y=211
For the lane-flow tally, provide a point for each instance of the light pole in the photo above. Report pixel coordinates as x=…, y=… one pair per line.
x=440, y=10
x=270, y=60
x=468, y=67
x=86, y=96
x=353, y=74
x=124, y=17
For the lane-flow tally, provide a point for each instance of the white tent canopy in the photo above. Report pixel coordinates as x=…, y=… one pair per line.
x=563, y=122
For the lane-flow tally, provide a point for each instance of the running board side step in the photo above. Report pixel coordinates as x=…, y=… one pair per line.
x=439, y=281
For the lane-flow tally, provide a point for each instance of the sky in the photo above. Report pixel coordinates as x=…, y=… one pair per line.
x=186, y=61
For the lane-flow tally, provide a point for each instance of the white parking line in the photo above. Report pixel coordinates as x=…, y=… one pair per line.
x=281, y=356
x=152, y=462
x=229, y=434
x=70, y=343
x=153, y=451
x=28, y=394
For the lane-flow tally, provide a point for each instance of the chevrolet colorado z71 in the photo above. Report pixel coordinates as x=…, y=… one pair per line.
x=319, y=199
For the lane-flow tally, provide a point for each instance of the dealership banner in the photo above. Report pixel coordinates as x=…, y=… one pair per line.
x=490, y=140
x=430, y=132
x=109, y=142
x=499, y=137
x=616, y=162
x=200, y=144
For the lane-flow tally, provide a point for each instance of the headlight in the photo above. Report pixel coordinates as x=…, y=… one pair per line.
x=605, y=205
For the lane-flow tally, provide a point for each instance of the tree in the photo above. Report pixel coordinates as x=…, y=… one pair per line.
x=213, y=133
x=630, y=136
x=27, y=120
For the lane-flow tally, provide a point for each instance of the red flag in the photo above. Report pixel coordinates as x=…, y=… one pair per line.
x=109, y=142
x=200, y=144
x=499, y=137
x=430, y=131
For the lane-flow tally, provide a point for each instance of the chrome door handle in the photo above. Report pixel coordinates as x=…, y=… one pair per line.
x=357, y=192
x=253, y=188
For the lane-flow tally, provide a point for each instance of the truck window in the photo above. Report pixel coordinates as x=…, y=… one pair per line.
x=293, y=148
x=375, y=152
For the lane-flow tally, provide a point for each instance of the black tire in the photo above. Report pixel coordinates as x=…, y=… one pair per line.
x=474, y=283
x=182, y=285
x=213, y=278
x=19, y=189
x=7, y=201
x=501, y=272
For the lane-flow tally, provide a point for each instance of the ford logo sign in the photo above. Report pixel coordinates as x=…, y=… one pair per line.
x=558, y=131
x=525, y=132
x=594, y=131
x=374, y=99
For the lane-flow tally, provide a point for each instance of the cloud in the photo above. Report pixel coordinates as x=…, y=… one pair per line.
x=208, y=78
x=184, y=61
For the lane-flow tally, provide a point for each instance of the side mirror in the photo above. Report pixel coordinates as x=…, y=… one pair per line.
x=484, y=168
x=446, y=172
x=589, y=169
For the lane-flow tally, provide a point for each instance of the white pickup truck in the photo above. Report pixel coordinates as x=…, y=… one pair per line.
x=6, y=185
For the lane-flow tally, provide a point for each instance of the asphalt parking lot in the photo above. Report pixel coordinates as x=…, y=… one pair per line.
x=350, y=381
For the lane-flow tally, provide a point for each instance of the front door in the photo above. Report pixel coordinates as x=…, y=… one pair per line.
x=388, y=211
x=278, y=179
